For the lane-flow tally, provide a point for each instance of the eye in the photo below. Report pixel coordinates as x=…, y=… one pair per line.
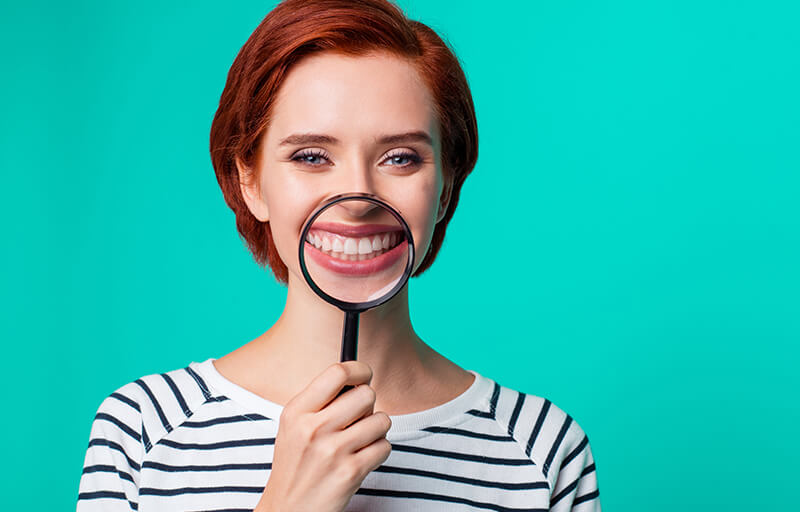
x=309, y=156
x=404, y=155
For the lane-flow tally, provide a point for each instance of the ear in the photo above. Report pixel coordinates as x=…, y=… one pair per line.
x=444, y=199
x=251, y=192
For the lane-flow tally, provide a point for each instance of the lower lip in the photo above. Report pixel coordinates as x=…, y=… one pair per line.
x=357, y=268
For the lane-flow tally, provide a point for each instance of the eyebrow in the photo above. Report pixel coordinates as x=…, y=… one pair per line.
x=316, y=138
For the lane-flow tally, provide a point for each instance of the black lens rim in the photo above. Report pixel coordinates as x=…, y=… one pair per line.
x=357, y=307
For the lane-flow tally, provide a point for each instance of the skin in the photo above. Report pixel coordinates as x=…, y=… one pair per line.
x=355, y=100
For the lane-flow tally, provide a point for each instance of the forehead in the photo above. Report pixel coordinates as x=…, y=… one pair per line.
x=355, y=97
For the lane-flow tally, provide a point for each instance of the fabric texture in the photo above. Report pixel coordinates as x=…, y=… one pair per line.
x=191, y=440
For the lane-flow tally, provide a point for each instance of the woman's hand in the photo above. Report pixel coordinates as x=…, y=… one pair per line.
x=326, y=445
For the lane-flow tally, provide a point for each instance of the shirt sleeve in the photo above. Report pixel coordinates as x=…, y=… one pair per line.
x=576, y=488
x=110, y=477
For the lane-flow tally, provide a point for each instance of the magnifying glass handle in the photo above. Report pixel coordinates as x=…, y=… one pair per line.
x=349, y=340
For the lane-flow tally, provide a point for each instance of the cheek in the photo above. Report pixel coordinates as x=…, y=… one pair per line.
x=422, y=210
x=287, y=203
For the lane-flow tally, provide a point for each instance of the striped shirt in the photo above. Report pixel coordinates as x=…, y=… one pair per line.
x=192, y=440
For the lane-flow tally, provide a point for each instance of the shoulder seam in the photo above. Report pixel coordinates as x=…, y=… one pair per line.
x=507, y=428
x=187, y=409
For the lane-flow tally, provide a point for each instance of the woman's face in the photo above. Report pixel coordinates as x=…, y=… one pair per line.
x=327, y=136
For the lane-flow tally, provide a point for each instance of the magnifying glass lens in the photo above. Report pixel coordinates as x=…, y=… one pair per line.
x=356, y=251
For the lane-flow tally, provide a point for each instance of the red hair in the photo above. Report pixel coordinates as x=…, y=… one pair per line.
x=297, y=28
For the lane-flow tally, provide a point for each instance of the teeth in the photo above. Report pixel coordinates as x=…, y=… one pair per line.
x=364, y=246
x=353, y=249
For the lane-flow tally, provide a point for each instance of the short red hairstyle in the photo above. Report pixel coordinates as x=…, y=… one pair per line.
x=297, y=28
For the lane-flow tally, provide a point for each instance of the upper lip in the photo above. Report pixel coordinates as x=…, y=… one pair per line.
x=355, y=230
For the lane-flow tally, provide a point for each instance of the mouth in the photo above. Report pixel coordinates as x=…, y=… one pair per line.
x=357, y=251
x=354, y=243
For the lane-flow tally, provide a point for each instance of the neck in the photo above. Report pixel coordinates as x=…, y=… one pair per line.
x=307, y=339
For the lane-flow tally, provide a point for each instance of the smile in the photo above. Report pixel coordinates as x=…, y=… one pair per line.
x=349, y=248
x=356, y=251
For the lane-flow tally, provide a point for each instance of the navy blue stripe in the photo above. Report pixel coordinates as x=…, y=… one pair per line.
x=568, y=489
x=441, y=497
x=462, y=456
x=225, y=419
x=221, y=444
x=574, y=453
x=146, y=439
x=493, y=400
x=200, y=383
x=107, y=494
x=124, y=399
x=467, y=433
x=125, y=428
x=105, y=468
x=150, y=491
x=556, y=444
x=160, y=412
x=586, y=497
x=564, y=492
x=178, y=395
x=481, y=414
x=462, y=479
x=515, y=415
x=538, y=427
x=259, y=466
x=114, y=446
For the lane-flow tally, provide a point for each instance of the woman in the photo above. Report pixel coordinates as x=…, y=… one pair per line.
x=327, y=97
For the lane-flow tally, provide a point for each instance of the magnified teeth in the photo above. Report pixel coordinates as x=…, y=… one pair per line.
x=350, y=246
x=364, y=246
x=353, y=249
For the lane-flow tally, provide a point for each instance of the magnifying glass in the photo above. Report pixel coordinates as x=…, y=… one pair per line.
x=356, y=252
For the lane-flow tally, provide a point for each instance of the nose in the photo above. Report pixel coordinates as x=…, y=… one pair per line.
x=357, y=209
x=358, y=177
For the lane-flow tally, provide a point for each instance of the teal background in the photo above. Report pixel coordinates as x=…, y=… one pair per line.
x=627, y=246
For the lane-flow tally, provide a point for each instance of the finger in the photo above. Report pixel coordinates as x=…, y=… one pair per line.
x=325, y=386
x=365, y=431
x=374, y=454
x=348, y=408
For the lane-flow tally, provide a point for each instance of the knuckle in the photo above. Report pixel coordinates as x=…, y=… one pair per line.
x=349, y=471
x=369, y=392
x=328, y=451
x=309, y=429
x=340, y=372
x=387, y=448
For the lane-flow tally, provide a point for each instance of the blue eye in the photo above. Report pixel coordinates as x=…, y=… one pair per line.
x=307, y=155
x=412, y=157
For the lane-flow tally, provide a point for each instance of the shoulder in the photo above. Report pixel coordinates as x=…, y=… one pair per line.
x=548, y=435
x=146, y=409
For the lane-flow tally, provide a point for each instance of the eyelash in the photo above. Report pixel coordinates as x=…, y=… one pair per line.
x=413, y=157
